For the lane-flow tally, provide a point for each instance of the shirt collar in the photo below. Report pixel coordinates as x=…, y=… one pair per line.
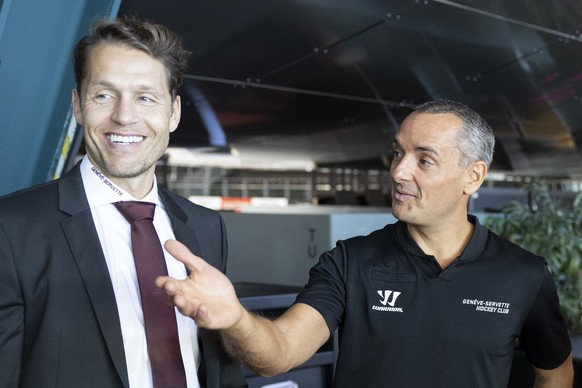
x=100, y=190
x=472, y=250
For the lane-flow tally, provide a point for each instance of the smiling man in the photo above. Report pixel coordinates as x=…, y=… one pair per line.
x=127, y=112
x=434, y=300
x=75, y=310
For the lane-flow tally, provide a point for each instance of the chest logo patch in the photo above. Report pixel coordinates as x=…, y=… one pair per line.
x=388, y=301
x=488, y=306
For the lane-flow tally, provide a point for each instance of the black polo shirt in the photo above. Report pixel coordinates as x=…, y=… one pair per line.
x=405, y=322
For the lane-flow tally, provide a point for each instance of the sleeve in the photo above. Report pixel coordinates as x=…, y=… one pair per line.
x=544, y=336
x=326, y=288
x=11, y=317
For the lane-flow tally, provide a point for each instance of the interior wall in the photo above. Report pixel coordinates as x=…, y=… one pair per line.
x=36, y=74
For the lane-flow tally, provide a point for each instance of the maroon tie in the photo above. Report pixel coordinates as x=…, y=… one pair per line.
x=159, y=318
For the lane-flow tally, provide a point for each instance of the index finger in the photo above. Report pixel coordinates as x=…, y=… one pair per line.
x=183, y=254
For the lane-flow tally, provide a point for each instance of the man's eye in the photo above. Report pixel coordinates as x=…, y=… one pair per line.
x=146, y=100
x=102, y=98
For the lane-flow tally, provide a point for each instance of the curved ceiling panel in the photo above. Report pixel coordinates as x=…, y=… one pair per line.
x=332, y=79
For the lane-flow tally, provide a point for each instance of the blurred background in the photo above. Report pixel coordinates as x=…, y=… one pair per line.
x=290, y=107
x=300, y=99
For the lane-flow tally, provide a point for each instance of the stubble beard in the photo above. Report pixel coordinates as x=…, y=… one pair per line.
x=126, y=169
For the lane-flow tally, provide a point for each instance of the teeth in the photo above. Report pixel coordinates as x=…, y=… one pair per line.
x=125, y=139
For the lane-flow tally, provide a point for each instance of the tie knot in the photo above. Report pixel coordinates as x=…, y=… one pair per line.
x=135, y=210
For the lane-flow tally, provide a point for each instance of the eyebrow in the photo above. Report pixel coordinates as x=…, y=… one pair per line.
x=140, y=87
x=105, y=84
x=419, y=148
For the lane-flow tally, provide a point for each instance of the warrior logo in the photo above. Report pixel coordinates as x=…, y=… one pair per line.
x=385, y=295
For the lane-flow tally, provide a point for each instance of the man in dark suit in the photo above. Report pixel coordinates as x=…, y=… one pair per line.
x=70, y=307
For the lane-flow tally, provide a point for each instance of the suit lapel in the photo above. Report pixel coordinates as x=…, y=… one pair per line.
x=84, y=242
x=179, y=219
x=208, y=341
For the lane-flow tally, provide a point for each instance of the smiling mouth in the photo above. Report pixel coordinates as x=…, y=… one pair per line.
x=400, y=194
x=403, y=193
x=118, y=139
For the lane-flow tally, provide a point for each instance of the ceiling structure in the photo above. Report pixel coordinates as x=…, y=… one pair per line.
x=329, y=81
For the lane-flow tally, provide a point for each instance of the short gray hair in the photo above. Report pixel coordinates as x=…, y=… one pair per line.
x=476, y=140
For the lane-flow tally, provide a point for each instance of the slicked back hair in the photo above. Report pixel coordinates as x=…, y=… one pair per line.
x=156, y=40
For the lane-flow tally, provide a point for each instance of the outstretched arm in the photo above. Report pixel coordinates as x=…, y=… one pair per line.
x=273, y=347
x=560, y=377
x=268, y=347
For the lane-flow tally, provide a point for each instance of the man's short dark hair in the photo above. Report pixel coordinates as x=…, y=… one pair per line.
x=154, y=39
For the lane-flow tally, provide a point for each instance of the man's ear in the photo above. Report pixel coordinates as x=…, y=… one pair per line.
x=475, y=175
x=176, y=114
x=77, y=106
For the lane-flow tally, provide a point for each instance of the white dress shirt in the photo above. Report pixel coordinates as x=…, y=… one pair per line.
x=114, y=235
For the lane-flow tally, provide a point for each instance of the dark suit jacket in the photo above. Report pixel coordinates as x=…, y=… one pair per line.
x=59, y=324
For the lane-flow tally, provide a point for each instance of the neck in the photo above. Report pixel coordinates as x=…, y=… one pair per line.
x=138, y=187
x=445, y=243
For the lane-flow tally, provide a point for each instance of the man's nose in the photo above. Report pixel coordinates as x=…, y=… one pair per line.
x=124, y=112
x=401, y=168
